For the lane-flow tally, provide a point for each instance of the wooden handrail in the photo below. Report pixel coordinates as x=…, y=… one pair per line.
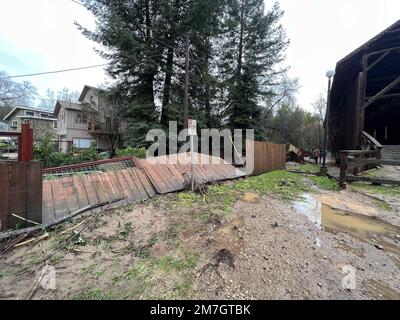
x=358, y=152
x=371, y=139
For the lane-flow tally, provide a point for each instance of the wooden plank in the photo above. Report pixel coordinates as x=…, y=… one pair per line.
x=70, y=193
x=108, y=188
x=83, y=200
x=131, y=185
x=4, y=192
x=137, y=186
x=90, y=189
x=383, y=162
x=48, y=213
x=60, y=205
x=34, y=191
x=115, y=184
x=145, y=182
x=125, y=188
x=98, y=186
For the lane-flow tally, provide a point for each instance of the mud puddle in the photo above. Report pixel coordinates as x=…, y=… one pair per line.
x=382, y=235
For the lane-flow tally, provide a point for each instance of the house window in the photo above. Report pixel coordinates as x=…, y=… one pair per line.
x=14, y=123
x=55, y=125
x=45, y=115
x=82, y=143
x=81, y=117
x=29, y=113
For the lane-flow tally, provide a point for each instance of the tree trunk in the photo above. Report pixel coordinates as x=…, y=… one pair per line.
x=167, y=86
x=240, y=48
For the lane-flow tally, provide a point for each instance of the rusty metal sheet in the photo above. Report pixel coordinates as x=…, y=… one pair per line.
x=4, y=177
x=17, y=193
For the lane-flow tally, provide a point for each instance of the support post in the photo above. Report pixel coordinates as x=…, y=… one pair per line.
x=323, y=170
x=25, y=144
x=343, y=169
x=186, y=97
x=192, y=162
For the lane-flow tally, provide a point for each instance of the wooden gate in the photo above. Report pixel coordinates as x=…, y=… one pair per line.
x=267, y=156
x=20, y=193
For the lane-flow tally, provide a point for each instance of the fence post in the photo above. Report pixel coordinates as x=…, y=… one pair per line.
x=343, y=168
x=25, y=143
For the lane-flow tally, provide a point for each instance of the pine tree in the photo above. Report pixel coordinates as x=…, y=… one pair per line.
x=254, y=46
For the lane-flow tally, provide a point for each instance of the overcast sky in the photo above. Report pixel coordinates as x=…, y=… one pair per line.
x=39, y=35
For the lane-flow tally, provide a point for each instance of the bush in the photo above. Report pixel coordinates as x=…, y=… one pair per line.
x=46, y=153
x=130, y=151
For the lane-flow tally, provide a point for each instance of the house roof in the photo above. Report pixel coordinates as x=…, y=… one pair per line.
x=26, y=108
x=86, y=88
x=67, y=105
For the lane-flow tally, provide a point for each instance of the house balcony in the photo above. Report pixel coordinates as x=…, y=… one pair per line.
x=98, y=128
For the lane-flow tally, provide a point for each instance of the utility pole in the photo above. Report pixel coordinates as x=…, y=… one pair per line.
x=186, y=98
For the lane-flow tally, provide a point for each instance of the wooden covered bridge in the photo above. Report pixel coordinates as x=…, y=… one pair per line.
x=365, y=100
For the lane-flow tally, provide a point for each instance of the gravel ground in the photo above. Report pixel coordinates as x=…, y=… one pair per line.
x=284, y=256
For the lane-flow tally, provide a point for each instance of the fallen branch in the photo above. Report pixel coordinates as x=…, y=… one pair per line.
x=25, y=220
x=44, y=236
x=14, y=233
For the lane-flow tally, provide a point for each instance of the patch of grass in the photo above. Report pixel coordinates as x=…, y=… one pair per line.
x=153, y=240
x=3, y=274
x=55, y=259
x=128, y=228
x=309, y=168
x=325, y=183
x=384, y=205
x=172, y=232
x=391, y=191
x=90, y=269
x=282, y=184
x=169, y=263
x=95, y=294
x=173, y=271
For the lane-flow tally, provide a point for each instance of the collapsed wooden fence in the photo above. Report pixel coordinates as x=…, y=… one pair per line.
x=69, y=188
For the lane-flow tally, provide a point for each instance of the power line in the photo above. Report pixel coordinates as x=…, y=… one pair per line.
x=57, y=71
x=80, y=3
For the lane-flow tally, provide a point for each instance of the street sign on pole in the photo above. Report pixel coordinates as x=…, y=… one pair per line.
x=192, y=131
x=192, y=127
